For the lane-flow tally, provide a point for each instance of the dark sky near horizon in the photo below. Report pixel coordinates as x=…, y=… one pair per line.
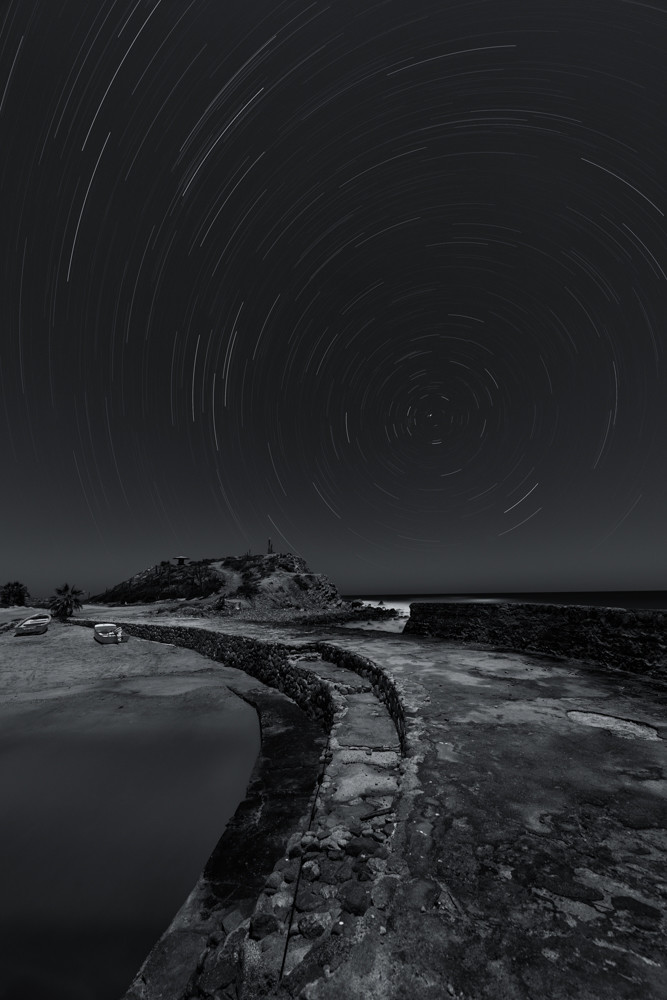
x=384, y=282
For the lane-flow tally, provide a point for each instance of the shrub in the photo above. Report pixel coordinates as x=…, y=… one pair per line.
x=14, y=593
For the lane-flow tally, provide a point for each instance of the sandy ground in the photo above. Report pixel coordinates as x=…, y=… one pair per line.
x=65, y=661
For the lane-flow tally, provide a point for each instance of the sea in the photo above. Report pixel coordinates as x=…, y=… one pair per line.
x=646, y=599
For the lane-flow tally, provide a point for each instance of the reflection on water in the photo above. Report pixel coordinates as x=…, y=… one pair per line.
x=103, y=837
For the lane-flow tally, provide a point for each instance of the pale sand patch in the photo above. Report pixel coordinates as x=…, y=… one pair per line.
x=66, y=659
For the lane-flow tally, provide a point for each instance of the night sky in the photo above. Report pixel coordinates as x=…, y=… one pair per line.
x=384, y=282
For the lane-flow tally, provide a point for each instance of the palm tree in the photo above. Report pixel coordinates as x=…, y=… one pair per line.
x=14, y=593
x=65, y=601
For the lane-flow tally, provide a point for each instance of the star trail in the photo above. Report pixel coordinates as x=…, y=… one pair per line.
x=384, y=282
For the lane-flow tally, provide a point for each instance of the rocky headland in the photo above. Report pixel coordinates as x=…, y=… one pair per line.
x=278, y=588
x=277, y=581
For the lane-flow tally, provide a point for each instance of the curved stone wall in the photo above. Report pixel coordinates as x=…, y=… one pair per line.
x=270, y=663
x=267, y=661
x=631, y=640
x=384, y=688
x=292, y=901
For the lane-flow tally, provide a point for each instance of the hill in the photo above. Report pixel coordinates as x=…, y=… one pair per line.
x=266, y=582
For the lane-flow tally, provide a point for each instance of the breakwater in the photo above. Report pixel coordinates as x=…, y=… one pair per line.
x=307, y=879
x=625, y=639
x=382, y=685
x=268, y=662
x=272, y=664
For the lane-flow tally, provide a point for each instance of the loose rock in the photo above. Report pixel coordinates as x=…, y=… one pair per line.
x=313, y=925
x=262, y=924
x=307, y=901
x=361, y=845
x=310, y=871
x=355, y=898
x=274, y=881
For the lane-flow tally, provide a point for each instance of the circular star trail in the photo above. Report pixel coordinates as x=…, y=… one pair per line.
x=385, y=282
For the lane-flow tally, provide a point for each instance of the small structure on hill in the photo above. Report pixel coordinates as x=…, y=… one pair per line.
x=181, y=560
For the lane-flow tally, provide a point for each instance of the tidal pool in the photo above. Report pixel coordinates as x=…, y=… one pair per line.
x=112, y=800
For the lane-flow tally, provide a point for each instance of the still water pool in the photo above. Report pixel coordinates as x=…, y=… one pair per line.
x=112, y=801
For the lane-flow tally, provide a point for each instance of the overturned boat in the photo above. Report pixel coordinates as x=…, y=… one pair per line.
x=34, y=625
x=106, y=632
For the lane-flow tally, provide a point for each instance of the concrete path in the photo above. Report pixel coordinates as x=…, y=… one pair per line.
x=536, y=849
x=533, y=857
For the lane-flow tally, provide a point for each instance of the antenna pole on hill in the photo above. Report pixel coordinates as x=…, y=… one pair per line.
x=269, y=550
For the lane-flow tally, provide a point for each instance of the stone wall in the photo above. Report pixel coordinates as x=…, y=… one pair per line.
x=269, y=663
x=273, y=907
x=280, y=793
x=631, y=640
x=266, y=661
x=384, y=688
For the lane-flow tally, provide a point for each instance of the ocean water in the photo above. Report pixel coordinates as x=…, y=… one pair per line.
x=635, y=599
x=656, y=599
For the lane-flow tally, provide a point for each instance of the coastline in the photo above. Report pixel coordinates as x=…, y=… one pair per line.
x=461, y=802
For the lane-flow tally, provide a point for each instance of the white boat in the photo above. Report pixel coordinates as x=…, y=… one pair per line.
x=106, y=632
x=34, y=625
